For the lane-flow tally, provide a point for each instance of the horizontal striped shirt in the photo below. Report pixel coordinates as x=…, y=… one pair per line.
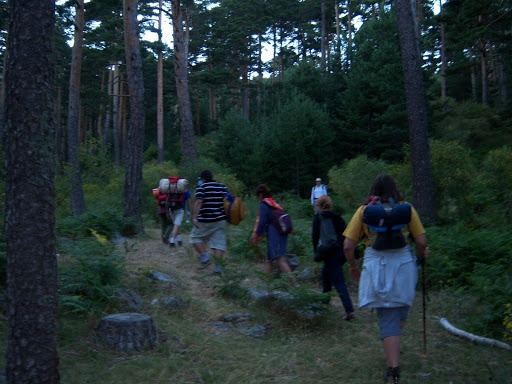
x=212, y=208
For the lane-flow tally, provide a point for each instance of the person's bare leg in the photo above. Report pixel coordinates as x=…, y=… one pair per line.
x=391, y=347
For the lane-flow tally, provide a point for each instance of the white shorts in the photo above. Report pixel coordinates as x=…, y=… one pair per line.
x=177, y=216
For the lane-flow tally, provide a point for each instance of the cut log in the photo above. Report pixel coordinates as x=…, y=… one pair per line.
x=128, y=331
x=474, y=338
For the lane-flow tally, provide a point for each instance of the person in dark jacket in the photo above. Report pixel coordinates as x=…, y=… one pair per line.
x=332, y=270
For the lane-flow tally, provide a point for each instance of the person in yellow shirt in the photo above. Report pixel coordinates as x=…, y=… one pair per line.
x=389, y=274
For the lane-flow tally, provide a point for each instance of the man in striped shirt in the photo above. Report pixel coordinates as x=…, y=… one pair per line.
x=209, y=220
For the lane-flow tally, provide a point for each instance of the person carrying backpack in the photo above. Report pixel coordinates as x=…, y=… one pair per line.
x=176, y=215
x=327, y=236
x=276, y=242
x=388, y=279
x=318, y=190
x=165, y=222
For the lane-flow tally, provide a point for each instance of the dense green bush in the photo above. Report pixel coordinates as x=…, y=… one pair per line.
x=107, y=222
x=352, y=180
x=473, y=260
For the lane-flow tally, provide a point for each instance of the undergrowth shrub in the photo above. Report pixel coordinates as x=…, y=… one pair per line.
x=87, y=283
x=352, y=180
x=475, y=261
x=106, y=222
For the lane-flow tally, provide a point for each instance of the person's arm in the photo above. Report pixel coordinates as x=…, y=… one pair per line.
x=349, y=247
x=422, y=250
x=313, y=196
x=197, y=207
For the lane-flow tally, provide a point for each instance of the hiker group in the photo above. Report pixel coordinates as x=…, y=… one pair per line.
x=385, y=223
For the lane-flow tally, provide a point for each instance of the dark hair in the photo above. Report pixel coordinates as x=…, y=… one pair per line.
x=385, y=187
x=206, y=175
x=263, y=189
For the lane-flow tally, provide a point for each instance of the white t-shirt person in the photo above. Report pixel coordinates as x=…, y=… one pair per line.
x=318, y=190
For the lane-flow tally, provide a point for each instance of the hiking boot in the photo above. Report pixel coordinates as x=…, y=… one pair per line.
x=394, y=373
x=172, y=245
x=217, y=270
x=165, y=240
x=349, y=316
x=205, y=263
x=180, y=243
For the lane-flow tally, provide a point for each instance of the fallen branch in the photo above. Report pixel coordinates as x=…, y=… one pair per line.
x=474, y=338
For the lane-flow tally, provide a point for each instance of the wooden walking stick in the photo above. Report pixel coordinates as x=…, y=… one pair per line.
x=424, y=289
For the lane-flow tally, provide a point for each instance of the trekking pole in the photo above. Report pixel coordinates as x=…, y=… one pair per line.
x=424, y=292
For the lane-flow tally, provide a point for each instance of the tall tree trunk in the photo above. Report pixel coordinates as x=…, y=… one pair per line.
x=443, y=54
x=502, y=78
x=108, y=115
x=188, y=146
x=135, y=134
x=116, y=125
x=30, y=222
x=323, y=34
x=2, y=96
x=408, y=33
x=59, y=145
x=99, y=122
x=473, y=75
x=260, y=76
x=73, y=126
x=349, y=22
x=338, y=27
x=485, y=78
x=213, y=102
x=160, y=92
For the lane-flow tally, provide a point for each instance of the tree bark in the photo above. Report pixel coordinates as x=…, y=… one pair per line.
x=323, y=34
x=73, y=125
x=423, y=191
x=188, y=146
x=160, y=93
x=30, y=195
x=116, y=124
x=135, y=133
x=443, y=55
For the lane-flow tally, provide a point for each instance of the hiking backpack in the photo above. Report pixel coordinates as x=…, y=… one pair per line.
x=177, y=187
x=328, y=235
x=328, y=240
x=387, y=219
x=282, y=221
x=234, y=208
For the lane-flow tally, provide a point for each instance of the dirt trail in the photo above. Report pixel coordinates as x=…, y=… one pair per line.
x=179, y=262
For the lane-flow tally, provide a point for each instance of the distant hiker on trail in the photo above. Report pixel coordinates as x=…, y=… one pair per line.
x=209, y=220
x=276, y=243
x=318, y=190
x=165, y=222
x=330, y=251
x=176, y=217
x=389, y=276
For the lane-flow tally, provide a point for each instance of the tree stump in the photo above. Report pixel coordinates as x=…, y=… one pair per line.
x=128, y=331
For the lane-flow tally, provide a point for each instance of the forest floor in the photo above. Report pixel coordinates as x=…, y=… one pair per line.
x=293, y=349
x=266, y=343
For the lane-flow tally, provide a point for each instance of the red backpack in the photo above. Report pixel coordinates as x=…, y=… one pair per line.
x=177, y=186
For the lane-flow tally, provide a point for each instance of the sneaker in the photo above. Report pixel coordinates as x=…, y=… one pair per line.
x=217, y=269
x=165, y=240
x=349, y=316
x=205, y=263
